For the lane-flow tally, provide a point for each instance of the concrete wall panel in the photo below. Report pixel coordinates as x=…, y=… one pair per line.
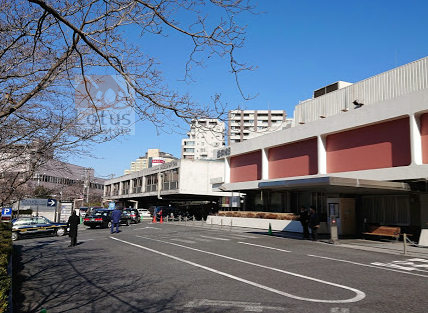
x=295, y=159
x=246, y=167
x=382, y=145
x=424, y=137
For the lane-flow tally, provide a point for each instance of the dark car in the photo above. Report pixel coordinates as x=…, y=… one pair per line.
x=36, y=225
x=102, y=218
x=134, y=215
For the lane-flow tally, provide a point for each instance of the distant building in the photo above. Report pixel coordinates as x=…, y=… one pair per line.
x=152, y=158
x=68, y=181
x=246, y=124
x=204, y=136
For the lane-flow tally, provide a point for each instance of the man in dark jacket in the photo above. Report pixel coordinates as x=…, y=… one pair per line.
x=314, y=223
x=72, y=224
x=115, y=220
x=304, y=220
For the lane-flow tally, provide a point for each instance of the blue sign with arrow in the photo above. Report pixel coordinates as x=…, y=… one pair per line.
x=51, y=202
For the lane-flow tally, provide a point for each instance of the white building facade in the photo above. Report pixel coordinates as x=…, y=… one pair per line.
x=204, y=136
x=247, y=124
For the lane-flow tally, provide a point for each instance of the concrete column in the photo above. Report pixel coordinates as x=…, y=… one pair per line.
x=131, y=185
x=120, y=187
x=105, y=191
x=322, y=154
x=226, y=170
x=265, y=164
x=415, y=140
x=143, y=185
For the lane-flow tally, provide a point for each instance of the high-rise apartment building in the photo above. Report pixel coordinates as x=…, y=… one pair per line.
x=246, y=124
x=152, y=158
x=204, y=136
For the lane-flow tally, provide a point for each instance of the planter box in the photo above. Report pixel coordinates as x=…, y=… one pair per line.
x=259, y=223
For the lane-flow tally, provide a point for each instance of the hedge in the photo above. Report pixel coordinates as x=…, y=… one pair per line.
x=5, y=251
x=251, y=214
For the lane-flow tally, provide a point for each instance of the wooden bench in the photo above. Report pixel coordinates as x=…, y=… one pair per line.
x=385, y=231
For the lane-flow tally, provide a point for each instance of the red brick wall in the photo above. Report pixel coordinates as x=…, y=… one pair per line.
x=246, y=167
x=295, y=159
x=377, y=146
x=424, y=134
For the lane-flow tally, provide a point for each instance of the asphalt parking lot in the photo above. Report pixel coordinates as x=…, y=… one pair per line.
x=193, y=268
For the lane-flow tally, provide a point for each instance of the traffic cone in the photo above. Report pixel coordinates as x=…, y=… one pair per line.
x=270, y=230
x=154, y=219
x=161, y=220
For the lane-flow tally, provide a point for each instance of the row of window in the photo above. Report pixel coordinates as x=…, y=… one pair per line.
x=64, y=181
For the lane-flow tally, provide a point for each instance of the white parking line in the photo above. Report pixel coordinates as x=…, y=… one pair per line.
x=147, y=227
x=367, y=265
x=247, y=306
x=359, y=294
x=215, y=238
x=183, y=240
x=242, y=236
x=266, y=247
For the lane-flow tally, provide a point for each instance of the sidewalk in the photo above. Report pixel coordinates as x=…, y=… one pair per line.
x=381, y=246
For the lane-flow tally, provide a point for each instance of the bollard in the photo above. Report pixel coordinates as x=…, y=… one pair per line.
x=270, y=230
x=405, y=243
x=333, y=230
x=166, y=219
x=179, y=218
x=185, y=221
x=211, y=223
x=230, y=225
x=193, y=220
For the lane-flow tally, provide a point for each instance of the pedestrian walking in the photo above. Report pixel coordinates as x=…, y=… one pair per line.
x=304, y=220
x=314, y=223
x=72, y=224
x=115, y=220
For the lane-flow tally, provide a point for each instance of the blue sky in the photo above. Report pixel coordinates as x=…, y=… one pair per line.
x=298, y=47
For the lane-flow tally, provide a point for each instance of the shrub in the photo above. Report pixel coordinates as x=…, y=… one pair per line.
x=5, y=251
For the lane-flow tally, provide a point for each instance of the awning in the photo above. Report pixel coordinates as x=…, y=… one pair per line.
x=336, y=185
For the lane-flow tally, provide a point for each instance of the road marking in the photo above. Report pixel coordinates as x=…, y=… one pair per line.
x=247, y=306
x=367, y=265
x=243, y=236
x=266, y=247
x=147, y=227
x=215, y=238
x=83, y=240
x=407, y=265
x=202, y=239
x=183, y=240
x=359, y=294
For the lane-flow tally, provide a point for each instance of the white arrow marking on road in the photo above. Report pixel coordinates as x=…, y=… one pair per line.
x=359, y=294
x=366, y=265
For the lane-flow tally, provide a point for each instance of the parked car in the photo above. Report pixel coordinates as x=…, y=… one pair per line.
x=102, y=218
x=144, y=213
x=36, y=225
x=134, y=215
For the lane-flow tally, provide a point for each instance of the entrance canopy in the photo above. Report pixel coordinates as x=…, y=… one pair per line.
x=336, y=185
x=330, y=184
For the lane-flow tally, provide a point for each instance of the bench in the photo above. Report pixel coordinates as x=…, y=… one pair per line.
x=386, y=231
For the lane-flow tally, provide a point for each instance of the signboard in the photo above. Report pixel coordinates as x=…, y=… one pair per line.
x=6, y=212
x=33, y=202
x=51, y=203
x=112, y=205
x=66, y=209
